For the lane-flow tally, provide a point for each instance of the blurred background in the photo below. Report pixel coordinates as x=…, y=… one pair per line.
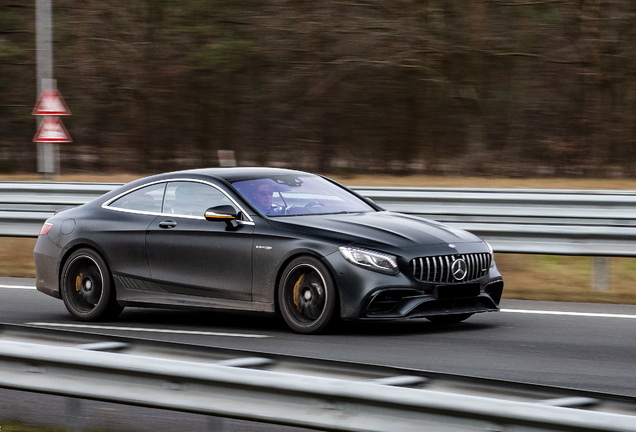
x=439, y=87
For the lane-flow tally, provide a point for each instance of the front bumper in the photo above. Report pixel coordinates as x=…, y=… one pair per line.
x=368, y=295
x=399, y=304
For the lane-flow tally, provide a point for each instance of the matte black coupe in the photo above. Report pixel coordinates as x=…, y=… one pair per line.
x=261, y=240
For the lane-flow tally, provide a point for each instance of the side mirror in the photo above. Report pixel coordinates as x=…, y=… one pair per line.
x=225, y=213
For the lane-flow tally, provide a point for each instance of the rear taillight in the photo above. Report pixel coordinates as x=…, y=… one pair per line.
x=46, y=228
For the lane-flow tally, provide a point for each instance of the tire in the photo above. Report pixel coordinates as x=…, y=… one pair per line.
x=449, y=319
x=87, y=287
x=307, y=295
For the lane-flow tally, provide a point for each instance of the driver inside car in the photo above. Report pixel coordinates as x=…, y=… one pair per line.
x=263, y=200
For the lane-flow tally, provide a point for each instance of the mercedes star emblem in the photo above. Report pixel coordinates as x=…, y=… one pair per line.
x=459, y=269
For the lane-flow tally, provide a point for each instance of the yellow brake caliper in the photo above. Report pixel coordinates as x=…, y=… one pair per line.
x=78, y=282
x=297, y=293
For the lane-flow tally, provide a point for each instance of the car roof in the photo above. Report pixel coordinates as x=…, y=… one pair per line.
x=239, y=174
x=224, y=174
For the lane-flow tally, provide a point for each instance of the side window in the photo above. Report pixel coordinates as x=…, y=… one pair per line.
x=192, y=199
x=147, y=199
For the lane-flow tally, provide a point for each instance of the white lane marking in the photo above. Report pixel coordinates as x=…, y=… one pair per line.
x=17, y=287
x=188, y=332
x=582, y=314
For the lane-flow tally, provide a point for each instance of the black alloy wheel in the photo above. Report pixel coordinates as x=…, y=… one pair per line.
x=87, y=288
x=449, y=319
x=307, y=295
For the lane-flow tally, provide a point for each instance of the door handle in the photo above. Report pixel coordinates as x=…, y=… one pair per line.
x=167, y=224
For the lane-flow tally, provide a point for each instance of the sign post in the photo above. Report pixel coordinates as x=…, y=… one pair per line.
x=48, y=162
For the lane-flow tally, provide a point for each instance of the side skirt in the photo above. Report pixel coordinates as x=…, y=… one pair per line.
x=141, y=293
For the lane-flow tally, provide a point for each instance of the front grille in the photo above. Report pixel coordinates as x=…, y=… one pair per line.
x=442, y=269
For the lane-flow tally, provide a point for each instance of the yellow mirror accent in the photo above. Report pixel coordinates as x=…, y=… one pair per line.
x=210, y=215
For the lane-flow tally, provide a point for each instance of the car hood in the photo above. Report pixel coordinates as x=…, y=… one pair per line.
x=385, y=228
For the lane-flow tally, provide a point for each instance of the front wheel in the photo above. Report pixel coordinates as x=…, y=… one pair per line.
x=87, y=288
x=449, y=319
x=307, y=295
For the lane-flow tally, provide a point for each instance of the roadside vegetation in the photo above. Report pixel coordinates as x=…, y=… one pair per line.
x=442, y=87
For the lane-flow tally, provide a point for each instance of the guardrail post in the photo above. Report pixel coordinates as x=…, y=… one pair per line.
x=601, y=274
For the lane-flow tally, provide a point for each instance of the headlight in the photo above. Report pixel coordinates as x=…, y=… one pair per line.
x=376, y=261
x=492, y=254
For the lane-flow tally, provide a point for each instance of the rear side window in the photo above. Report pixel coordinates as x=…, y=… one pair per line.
x=146, y=199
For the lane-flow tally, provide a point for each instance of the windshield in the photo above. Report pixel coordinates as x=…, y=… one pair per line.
x=299, y=195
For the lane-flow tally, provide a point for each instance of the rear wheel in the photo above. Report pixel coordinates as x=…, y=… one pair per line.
x=307, y=295
x=449, y=319
x=87, y=288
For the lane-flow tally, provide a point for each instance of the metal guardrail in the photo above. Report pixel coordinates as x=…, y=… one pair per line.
x=275, y=397
x=25, y=206
x=561, y=222
x=298, y=364
x=564, y=222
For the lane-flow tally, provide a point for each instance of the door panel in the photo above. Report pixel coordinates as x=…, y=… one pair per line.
x=121, y=232
x=193, y=256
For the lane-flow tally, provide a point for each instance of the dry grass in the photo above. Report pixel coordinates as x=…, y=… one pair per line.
x=564, y=278
x=533, y=277
x=16, y=257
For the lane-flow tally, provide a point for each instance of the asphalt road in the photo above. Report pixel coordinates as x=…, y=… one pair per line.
x=584, y=346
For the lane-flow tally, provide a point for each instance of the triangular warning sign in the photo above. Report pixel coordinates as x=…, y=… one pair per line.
x=51, y=103
x=52, y=130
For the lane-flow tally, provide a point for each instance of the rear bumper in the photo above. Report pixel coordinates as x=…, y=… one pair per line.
x=45, y=255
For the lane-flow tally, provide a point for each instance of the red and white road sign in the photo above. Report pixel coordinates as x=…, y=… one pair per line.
x=51, y=103
x=52, y=130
